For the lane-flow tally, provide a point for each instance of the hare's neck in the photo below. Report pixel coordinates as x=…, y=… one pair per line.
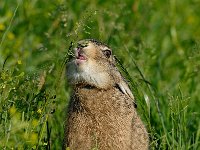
x=95, y=100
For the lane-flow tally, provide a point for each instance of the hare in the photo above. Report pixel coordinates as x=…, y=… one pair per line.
x=101, y=114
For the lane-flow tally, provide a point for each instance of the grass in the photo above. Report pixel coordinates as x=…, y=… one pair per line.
x=156, y=42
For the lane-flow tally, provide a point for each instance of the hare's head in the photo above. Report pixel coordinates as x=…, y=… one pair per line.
x=93, y=65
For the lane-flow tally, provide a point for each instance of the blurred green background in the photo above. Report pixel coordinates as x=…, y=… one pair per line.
x=158, y=42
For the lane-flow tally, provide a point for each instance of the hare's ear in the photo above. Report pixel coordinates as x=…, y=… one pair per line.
x=122, y=84
x=125, y=89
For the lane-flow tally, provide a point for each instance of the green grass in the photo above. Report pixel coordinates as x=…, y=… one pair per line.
x=157, y=42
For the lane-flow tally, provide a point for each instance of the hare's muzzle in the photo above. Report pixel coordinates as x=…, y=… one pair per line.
x=80, y=57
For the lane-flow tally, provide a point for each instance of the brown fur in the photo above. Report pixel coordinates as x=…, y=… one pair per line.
x=102, y=115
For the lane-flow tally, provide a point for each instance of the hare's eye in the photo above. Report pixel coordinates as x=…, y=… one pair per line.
x=107, y=53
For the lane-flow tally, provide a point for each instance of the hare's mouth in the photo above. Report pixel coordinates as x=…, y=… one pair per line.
x=80, y=57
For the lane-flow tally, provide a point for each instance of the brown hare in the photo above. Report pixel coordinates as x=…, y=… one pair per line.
x=101, y=114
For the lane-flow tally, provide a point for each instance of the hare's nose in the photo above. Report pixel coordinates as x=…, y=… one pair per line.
x=82, y=44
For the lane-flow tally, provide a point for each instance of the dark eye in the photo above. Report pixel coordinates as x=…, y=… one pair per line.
x=107, y=53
